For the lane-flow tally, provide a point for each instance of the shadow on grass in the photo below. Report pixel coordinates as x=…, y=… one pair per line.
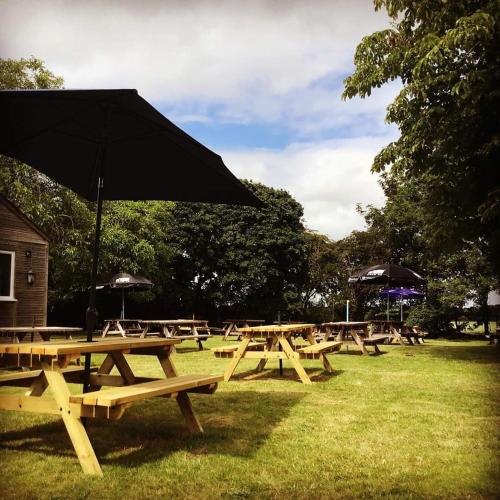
x=235, y=423
x=486, y=354
x=315, y=374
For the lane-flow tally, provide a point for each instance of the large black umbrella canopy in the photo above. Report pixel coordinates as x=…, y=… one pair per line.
x=386, y=274
x=74, y=136
x=112, y=144
x=126, y=282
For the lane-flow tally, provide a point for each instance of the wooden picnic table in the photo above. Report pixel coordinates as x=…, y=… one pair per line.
x=359, y=331
x=277, y=337
x=49, y=364
x=122, y=327
x=175, y=327
x=231, y=325
x=390, y=328
x=18, y=333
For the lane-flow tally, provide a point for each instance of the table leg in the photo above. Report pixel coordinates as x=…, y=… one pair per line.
x=145, y=331
x=123, y=367
x=120, y=329
x=326, y=363
x=182, y=398
x=74, y=426
x=294, y=359
x=38, y=386
x=270, y=343
x=359, y=342
x=106, y=329
x=236, y=359
x=396, y=334
x=105, y=369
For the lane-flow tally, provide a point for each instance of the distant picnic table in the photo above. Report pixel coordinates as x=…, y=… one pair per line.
x=197, y=329
x=49, y=368
x=231, y=325
x=358, y=330
x=18, y=333
x=277, y=344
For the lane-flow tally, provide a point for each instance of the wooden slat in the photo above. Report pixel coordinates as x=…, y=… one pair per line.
x=128, y=394
x=73, y=347
x=276, y=328
x=321, y=347
x=32, y=374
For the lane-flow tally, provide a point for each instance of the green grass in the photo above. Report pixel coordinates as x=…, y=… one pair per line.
x=415, y=422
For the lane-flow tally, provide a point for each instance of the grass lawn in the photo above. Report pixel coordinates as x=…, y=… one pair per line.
x=416, y=422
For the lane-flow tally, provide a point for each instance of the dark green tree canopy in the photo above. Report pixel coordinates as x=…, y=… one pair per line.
x=446, y=54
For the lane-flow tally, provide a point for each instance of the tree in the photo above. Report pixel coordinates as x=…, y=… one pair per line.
x=321, y=277
x=241, y=259
x=446, y=55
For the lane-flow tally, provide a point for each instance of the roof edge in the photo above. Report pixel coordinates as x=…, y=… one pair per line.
x=14, y=208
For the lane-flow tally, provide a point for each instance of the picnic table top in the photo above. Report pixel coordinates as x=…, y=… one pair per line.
x=76, y=347
x=277, y=328
x=40, y=329
x=346, y=323
x=124, y=320
x=240, y=320
x=386, y=321
x=175, y=321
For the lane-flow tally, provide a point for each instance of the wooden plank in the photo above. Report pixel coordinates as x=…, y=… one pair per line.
x=293, y=358
x=321, y=347
x=18, y=376
x=104, y=345
x=33, y=404
x=127, y=394
x=74, y=426
x=236, y=358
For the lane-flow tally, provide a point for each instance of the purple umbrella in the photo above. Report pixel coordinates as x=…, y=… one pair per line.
x=401, y=293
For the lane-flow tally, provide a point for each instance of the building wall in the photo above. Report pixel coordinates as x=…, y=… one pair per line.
x=17, y=235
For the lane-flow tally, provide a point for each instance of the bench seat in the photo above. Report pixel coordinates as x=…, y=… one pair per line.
x=379, y=339
x=228, y=352
x=315, y=350
x=72, y=373
x=117, y=396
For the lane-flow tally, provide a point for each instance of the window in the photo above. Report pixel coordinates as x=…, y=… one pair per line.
x=6, y=275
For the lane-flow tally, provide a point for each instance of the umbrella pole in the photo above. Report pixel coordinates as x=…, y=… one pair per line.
x=122, y=316
x=388, y=306
x=401, y=306
x=91, y=315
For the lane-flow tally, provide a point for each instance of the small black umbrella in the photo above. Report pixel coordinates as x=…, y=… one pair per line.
x=386, y=274
x=112, y=144
x=126, y=282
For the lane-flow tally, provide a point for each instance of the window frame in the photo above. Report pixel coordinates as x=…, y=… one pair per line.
x=10, y=298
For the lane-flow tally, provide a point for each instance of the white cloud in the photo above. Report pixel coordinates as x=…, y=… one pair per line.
x=275, y=62
x=329, y=178
x=256, y=59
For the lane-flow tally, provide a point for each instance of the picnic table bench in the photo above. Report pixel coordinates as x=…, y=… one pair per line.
x=278, y=345
x=50, y=368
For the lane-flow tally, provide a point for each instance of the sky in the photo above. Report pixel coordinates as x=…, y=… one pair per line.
x=259, y=82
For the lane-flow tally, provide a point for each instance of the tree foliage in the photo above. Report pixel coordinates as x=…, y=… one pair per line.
x=446, y=55
x=246, y=259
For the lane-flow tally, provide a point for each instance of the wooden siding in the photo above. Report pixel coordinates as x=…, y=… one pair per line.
x=18, y=235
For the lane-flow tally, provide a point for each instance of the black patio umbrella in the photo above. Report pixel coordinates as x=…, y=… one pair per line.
x=126, y=282
x=388, y=275
x=112, y=144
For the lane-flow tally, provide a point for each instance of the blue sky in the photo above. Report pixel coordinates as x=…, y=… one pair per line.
x=258, y=81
